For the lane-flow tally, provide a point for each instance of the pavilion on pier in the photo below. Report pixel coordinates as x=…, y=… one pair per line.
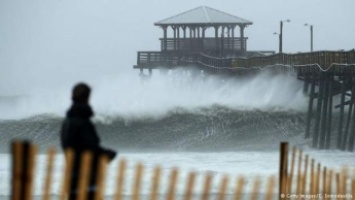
x=195, y=34
x=189, y=32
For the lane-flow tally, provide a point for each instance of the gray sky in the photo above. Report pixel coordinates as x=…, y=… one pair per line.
x=46, y=41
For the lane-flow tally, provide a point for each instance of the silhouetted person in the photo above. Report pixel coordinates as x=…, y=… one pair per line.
x=79, y=133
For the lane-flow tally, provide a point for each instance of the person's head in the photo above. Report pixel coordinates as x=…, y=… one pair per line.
x=81, y=93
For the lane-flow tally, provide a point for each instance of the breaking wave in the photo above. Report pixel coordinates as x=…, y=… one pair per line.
x=175, y=111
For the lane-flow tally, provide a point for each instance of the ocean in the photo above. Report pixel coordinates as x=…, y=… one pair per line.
x=207, y=124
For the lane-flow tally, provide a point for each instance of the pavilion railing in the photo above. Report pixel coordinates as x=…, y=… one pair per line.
x=203, y=44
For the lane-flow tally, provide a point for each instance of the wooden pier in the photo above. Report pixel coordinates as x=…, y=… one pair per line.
x=326, y=74
x=200, y=30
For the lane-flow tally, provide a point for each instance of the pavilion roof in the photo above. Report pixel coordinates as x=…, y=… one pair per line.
x=204, y=15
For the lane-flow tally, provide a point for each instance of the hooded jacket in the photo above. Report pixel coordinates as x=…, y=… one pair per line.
x=79, y=134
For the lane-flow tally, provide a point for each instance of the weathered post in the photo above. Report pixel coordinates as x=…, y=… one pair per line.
x=330, y=112
x=319, y=111
x=352, y=133
x=49, y=172
x=17, y=171
x=310, y=107
x=341, y=117
x=283, y=170
x=346, y=132
x=23, y=164
x=353, y=187
x=324, y=113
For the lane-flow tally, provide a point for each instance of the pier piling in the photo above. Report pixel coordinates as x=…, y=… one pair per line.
x=341, y=114
x=324, y=111
x=347, y=127
x=352, y=133
x=310, y=107
x=318, y=112
x=330, y=112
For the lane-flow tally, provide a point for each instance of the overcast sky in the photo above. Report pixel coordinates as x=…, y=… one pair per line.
x=43, y=40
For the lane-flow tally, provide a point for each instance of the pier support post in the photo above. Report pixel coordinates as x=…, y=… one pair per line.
x=341, y=117
x=324, y=112
x=347, y=127
x=310, y=107
x=330, y=112
x=319, y=111
x=352, y=133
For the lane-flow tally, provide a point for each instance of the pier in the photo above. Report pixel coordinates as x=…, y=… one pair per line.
x=326, y=74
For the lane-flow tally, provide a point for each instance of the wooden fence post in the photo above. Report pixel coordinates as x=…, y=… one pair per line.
x=223, y=188
x=344, y=177
x=338, y=183
x=120, y=179
x=239, y=188
x=256, y=189
x=172, y=184
x=69, y=162
x=31, y=152
x=206, y=187
x=190, y=186
x=17, y=171
x=155, y=183
x=84, y=175
x=101, y=177
x=324, y=181
x=283, y=170
x=330, y=182
x=317, y=179
x=305, y=172
x=299, y=172
x=270, y=188
x=290, y=178
x=353, y=188
x=22, y=170
x=49, y=171
x=137, y=182
x=311, y=182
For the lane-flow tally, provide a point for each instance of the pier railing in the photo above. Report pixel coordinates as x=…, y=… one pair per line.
x=157, y=59
x=309, y=181
x=202, y=44
x=331, y=61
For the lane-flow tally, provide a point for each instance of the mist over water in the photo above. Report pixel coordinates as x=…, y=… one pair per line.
x=129, y=96
x=176, y=110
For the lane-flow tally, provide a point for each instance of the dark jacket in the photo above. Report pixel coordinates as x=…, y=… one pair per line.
x=79, y=133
